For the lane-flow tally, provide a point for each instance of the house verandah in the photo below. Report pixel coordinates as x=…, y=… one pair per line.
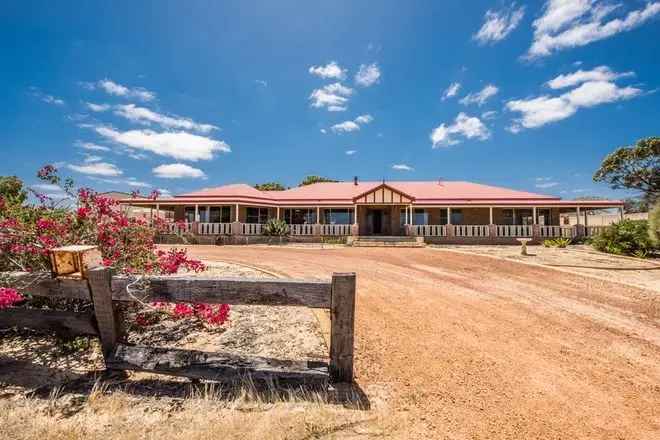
x=379, y=210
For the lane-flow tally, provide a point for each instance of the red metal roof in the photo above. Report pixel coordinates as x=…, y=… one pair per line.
x=344, y=193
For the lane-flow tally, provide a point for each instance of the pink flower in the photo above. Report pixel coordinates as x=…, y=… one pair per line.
x=9, y=297
x=182, y=311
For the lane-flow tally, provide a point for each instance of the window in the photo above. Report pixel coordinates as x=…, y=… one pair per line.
x=302, y=216
x=257, y=215
x=189, y=214
x=507, y=214
x=443, y=216
x=420, y=217
x=338, y=216
x=456, y=216
x=525, y=216
x=220, y=214
x=403, y=217
x=544, y=217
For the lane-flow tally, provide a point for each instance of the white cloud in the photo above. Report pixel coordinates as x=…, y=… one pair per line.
x=132, y=181
x=164, y=193
x=451, y=91
x=536, y=112
x=573, y=23
x=178, y=171
x=145, y=116
x=115, y=89
x=600, y=73
x=354, y=125
x=480, y=97
x=337, y=108
x=333, y=96
x=97, y=169
x=91, y=146
x=50, y=99
x=261, y=82
x=97, y=107
x=330, y=70
x=178, y=144
x=498, y=24
x=350, y=152
x=364, y=119
x=345, y=127
x=402, y=167
x=324, y=131
x=488, y=115
x=469, y=127
x=368, y=75
x=91, y=158
x=47, y=187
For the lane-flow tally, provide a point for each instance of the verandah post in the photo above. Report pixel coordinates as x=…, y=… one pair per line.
x=99, y=280
x=342, y=327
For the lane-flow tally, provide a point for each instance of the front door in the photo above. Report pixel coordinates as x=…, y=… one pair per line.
x=376, y=221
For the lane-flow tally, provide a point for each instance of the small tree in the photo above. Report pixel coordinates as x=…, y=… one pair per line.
x=635, y=167
x=315, y=179
x=270, y=186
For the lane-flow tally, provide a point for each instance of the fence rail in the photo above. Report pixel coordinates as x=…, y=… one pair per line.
x=179, y=228
x=471, y=230
x=252, y=228
x=336, y=230
x=557, y=231
x=214, y=228
x=429, y=230
x=105, y=290
x=306, y=229
x=514, y=230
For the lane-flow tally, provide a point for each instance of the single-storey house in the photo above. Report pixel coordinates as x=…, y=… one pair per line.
x=436, y=210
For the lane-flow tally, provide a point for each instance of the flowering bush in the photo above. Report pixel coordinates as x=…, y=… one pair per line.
x=28, y=232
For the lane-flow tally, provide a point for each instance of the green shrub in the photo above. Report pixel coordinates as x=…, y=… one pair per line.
x=628, y=237
x=276, y=228
x=560, y=242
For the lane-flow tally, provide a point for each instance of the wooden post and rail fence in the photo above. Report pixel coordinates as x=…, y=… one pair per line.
x=106, y=292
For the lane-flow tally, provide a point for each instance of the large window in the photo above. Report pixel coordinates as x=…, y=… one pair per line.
x=220, y=214
x=257, y=215
x=443, y=216
x=544, y=217
x=507, y=216
x=420, y=217
x=300, y=216
x=456, y=216
x=189, y=214
x=338, y=216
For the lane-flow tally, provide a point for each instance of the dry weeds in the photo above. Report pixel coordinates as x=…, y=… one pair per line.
x=209, y=412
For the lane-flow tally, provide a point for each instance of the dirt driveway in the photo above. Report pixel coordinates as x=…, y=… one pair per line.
x=477, y=348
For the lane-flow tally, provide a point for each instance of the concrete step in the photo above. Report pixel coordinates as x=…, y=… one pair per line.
x=374, y=243
x=387, y=238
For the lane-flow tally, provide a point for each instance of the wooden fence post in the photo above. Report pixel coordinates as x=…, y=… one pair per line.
x=342, y=327
x=99, y=280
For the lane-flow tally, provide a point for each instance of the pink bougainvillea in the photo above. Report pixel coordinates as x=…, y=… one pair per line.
x=28, y=232
x=9, y=297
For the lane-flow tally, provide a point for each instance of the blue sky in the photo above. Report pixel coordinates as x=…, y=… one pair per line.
x=182, y=95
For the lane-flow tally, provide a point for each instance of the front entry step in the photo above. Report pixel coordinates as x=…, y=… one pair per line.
x=387, y=241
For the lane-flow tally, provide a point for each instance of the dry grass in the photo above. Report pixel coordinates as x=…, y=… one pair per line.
x=207, y=413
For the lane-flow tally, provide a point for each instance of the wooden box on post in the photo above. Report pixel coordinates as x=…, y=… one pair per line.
x=74, y=261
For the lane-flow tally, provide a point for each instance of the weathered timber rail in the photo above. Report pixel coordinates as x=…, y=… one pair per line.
x=106, y=292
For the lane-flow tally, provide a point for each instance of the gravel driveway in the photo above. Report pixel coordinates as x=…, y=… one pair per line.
x=475, y=347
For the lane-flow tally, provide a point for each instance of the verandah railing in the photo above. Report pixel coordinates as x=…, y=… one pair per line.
x=514, y=231
x=336, y=230
x=214, y=228
x=471, y=230
x=429, y=230
x=557, y=231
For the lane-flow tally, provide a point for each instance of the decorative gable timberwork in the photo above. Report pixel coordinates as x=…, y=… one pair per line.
x=383, y=195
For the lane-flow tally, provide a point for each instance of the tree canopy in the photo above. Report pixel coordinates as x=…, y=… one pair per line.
x=635, y=167
x=308, y=180
x=270, y=186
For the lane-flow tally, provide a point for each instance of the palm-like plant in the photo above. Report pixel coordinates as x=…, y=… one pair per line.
x=276, y=228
